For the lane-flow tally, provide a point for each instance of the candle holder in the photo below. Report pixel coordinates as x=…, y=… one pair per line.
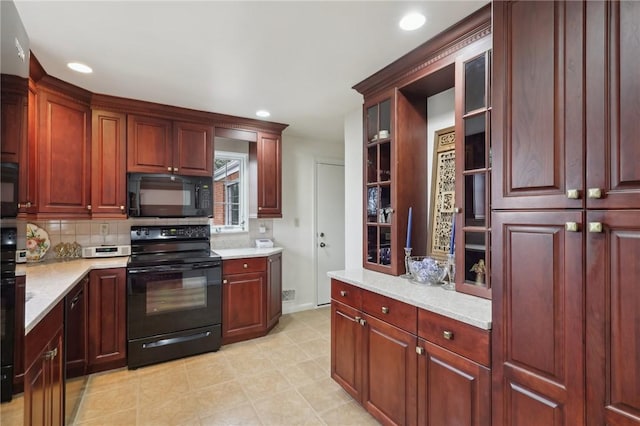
x=448, y=279
x=407, y=255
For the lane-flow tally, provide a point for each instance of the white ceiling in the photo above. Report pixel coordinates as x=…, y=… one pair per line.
x=298, y=59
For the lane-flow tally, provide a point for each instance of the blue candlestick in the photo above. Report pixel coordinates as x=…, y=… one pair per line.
x=409, y=229
x=453, y=236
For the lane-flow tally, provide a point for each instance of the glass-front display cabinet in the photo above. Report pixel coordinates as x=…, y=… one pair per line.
x=473, y=163
x=391, y=168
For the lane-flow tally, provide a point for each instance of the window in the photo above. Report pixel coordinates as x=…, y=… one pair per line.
x=230, y=187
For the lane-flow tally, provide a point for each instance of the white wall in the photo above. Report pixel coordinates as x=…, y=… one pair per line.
x=11, y=28
x=294, y=232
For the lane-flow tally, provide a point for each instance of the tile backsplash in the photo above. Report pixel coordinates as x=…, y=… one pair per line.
x=88, y=232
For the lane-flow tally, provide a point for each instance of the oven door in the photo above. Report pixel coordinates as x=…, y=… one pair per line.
x=167, y=299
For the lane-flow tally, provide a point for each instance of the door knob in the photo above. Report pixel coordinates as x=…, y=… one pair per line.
x=322, y=234
x=322, y=245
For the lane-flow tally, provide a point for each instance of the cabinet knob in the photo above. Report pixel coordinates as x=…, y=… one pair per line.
x=175, y=169
x=357, y=319
x=573, y=194
x=225, y=281
x=245, y=266
x=594, y=193
x=51, y=354
x=457, y=209
x=571, y=226
x=168, y=169
x=385, y=310
x=89, y=207
x=343, y=293
x=595, y=227
x=419, y=350
x=121, y=208
x=447, y=334
x=260, y=208
x=363, y=322
x=24, y=205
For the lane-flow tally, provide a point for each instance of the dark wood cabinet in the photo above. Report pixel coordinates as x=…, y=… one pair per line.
x=44, y=378
x=274, y=290
x=76, y=329
x=612, y=317
x=159, y=145
x=193, y=149
x=64, y=155
x=268, y=182
x=346, y=348
x=18, y=348
x=27, y=179
x=13, y=114
x=538, y=322
x=612, y=108
x=251, y=297
x=108, y=165
x=107, y=319
x=537, y=118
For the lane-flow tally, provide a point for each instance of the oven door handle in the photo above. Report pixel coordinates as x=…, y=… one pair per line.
x=175, y=268
x=174, y=340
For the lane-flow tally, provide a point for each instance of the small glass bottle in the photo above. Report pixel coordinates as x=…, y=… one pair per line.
x=449, y=278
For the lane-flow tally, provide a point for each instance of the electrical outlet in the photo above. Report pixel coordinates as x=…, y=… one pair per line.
x=104, y=229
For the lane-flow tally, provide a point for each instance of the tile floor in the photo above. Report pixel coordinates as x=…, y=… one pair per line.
x=279, y=379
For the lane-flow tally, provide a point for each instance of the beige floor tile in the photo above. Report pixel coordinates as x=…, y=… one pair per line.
x=302, y=334
x=324, y=362
x=286, y=408
x=303, y=373
x=242, y=415
x=203, y=376
x=176, y=411
x=164, y=385
x=126, y=417
x=101, y=381
x=264, y=384
x=324, y=394
x=316, y=347
x=348, y=414
x=12, y=413
x=218, y=398
x=108, y=401
x=288, y=355
x=251, y=363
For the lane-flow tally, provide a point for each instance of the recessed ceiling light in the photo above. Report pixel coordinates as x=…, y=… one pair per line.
x=263, y=113
x=412, y=21
x=77, y=66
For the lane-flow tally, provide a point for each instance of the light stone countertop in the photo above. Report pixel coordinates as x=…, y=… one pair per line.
x=47, y=283
x=462, y=307
x=239, y=253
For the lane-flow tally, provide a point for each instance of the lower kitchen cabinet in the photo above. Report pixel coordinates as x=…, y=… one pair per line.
x=107, y=319
x=251, y=297
x=408, y=366
x=44, y=377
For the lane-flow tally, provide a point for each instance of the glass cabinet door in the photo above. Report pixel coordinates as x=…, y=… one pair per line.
x=473, y=163
x=379, y=211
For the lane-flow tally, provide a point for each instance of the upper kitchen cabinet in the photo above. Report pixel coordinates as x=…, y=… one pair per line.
x=538, y=97
x=612, y=108
x=265, y=171
x=395, y=136
x=108, y=164
x=14, y=116
x=63, y=151
x=159, y=145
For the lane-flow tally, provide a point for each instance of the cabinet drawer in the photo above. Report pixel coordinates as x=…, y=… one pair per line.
x=463, y=339
x=346, y=293
x=392, y=311
x=242, y=266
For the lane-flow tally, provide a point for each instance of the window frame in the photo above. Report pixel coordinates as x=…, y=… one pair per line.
x=243, y=192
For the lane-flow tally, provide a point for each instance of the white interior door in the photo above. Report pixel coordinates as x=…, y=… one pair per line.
x=329, y=229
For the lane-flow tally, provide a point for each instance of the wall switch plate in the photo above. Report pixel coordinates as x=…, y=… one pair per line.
x=104, y=229
x=262, y=229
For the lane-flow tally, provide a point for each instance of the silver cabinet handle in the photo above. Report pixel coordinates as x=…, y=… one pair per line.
x=595, y=227
x=224, y=281
x=447, y=334
x=343, y=293
x=571, y=226
x=121, y=208
x=24, y=205
x=573, y=194
x=89, y=207
x=175, y=169
x=168, y=169
x=594, y=193
x=419, y=350
x=245, y=266
x=385, y=310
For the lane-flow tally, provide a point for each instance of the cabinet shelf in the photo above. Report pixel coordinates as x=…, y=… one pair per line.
x=476, y=112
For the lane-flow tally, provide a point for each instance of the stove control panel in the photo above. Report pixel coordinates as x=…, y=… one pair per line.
x=178, y=232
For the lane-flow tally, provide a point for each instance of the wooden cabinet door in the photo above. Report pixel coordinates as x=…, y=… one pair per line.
x=64, y=156
x=538, y=320
x=452, y=390
x=269, y=175
x=76, y=308
x=274, y=289
x=107, y=319
x=346, y=348
x=56, y=379
x=13, y=115
x=34, y=395
x=389, y=373
x=243, y=306
x=192, y=149
x=27, y=178
x=612, y=93
x=149, y=148
x=538, y=93
x=108, y=165
x=612, y=318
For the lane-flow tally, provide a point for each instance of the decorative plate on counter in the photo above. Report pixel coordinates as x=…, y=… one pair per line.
x=37, y=243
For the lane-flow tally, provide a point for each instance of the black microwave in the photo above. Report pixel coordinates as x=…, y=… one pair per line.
x=165, y=195
x=8, y=189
